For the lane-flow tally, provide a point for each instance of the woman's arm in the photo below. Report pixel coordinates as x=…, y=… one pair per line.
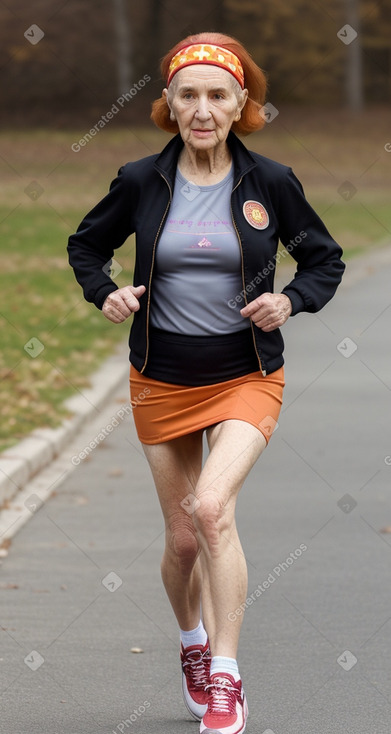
x=102, y=230
x=318, y=256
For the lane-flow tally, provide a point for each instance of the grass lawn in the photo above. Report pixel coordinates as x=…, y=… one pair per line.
x=48, y=189
x=41, y=304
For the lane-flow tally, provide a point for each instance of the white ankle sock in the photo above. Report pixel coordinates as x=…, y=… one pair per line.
x=198, y=636
x=221, y=664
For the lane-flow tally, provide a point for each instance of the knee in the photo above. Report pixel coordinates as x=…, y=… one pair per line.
x=182, y=541
x=210, y=519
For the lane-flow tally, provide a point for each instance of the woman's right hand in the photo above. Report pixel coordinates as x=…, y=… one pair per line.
x=120, y=304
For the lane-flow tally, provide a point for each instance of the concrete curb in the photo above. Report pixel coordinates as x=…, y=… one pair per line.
x=20, y=463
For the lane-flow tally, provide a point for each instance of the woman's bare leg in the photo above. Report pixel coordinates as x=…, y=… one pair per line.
x=205, y=521
x=234, y=448
x=176, y=467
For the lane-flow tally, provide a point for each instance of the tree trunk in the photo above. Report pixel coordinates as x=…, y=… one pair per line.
x=122, y=47
x=354, y=83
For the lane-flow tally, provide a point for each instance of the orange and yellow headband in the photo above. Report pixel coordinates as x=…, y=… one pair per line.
x=199, y=53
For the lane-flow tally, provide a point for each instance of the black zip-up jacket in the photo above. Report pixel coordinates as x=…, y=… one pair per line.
x=139, y=200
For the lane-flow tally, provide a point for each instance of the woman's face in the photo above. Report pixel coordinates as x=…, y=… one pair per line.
x=204, y=104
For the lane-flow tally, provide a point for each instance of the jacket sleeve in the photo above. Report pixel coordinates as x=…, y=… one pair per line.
x=318, y=256
x=102, y=230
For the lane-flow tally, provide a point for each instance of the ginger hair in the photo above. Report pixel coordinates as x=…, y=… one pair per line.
x=254, y=81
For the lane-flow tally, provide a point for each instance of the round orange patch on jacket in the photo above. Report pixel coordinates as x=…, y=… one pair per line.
x=255, y=214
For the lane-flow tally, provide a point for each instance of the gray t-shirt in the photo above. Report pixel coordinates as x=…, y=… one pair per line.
x=198, y=264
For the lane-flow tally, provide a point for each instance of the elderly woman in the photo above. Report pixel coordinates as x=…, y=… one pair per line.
x=205, y=345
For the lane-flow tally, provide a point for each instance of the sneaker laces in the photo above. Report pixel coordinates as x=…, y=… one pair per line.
x=223, y=696
x=195, y=667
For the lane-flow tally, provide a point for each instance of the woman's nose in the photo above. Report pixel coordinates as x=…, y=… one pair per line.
x=203, y=111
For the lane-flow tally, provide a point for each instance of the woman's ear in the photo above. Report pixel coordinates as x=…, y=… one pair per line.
x=244, y=98
x=165, y=94
x=241, y=103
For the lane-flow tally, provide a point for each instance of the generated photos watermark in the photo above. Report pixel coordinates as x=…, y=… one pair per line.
x=119, y=416
x=34, y=34
x=262, y=274
x=34, y=660
x=110, y=114
x=125, y=724
x=277, y=571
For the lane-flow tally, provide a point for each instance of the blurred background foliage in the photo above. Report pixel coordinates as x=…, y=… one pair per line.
x=333, y=128
x=93, y=49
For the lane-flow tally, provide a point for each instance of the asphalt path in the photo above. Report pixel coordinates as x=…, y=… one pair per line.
x=80, y=591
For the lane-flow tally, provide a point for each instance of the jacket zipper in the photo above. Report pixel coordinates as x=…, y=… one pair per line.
x=150, y=273
x=243, y=280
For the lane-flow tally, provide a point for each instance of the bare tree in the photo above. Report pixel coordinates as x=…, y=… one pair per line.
x=354, y=81
x=122, y=46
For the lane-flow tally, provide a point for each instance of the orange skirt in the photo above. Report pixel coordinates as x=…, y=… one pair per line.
x=163, y=411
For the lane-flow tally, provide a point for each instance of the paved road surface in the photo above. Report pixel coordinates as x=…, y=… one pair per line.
x=315, y=645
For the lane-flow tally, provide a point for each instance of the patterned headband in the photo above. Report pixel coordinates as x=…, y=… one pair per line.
x=199, y=53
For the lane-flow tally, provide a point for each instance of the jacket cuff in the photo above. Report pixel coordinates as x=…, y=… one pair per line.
x=103, y=292
x=296, y=299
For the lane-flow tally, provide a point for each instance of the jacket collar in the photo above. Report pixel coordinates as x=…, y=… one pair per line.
x=167, y=160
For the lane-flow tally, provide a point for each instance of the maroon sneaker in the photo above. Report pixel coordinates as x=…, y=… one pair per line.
x=195, y=661
x=227, y=706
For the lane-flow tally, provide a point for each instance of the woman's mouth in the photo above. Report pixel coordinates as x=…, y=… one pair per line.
x=201, y=133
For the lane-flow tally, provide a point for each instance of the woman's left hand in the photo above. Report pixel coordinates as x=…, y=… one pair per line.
x=268, y=311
